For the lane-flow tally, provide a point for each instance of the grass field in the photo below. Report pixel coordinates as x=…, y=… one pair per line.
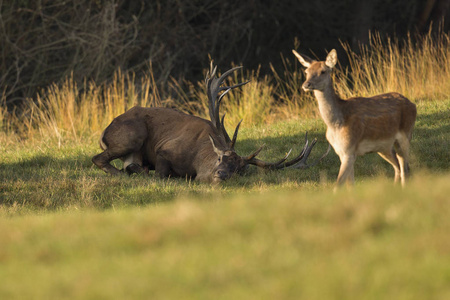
x=376, y=242
x=68, y=230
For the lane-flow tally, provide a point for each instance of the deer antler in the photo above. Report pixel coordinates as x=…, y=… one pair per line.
x=213, y=86
x=299, y=162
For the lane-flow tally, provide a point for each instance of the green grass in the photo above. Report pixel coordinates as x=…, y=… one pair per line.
x=375, y=242
x=45, y=177
x=68, y=230
x=40, y=177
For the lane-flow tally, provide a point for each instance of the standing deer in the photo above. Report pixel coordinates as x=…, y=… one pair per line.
x=177, y=144
x=356, y=126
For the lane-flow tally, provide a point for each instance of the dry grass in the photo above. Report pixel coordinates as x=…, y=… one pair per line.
x=419, y=70
x=69, y=111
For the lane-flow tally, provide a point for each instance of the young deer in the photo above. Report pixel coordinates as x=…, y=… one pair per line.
x=356, y=126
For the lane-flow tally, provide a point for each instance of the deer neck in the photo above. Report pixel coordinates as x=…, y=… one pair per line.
x=329, y=107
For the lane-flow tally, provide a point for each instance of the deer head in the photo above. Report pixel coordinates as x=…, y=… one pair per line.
x=317, y=72
x=229, y=162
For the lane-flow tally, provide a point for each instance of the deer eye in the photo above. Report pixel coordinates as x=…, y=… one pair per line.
x=323, y=72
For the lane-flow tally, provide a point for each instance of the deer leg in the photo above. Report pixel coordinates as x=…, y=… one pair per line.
x=402, y=147
x=132, y=164
x=134, y=168
x=121, y=141
x=103, y=160
x=162, y=167
x=128, y=154
x=346, y=171
x=351, y=176
x=390, y=157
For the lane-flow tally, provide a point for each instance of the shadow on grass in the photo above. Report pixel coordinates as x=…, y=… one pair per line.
x=429, y=150
x=42, y=163
x=43, y=182
x=46, y=181
x=431, y=141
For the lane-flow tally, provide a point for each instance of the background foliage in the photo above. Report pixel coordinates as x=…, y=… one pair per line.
x=42, y=42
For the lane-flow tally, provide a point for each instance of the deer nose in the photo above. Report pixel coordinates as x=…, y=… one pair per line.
x=222, y=175
x=307, y=86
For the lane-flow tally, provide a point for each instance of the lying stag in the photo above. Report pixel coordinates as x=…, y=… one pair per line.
x=177, y=144
x=356, y=126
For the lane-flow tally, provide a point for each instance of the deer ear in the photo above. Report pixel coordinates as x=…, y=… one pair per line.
x=331, y=59
x=218, y=152
x=304, y=60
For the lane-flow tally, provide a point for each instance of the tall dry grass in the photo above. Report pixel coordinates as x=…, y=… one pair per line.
x=292, y=100
x=419, y=70
x=253, y=102
x=71, y=111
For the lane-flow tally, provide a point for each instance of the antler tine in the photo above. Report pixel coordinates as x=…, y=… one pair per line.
x=213, y=86
x=302, y=163
x=211, y=100
x=281, y=163
x=233, y=141
x=211, y=72
x=218, y=122
x=225, y=75
x=297, y=162
x=225, y=133
x=252, y=160
x=252, y=156
x=214, y=83
x=299, y=157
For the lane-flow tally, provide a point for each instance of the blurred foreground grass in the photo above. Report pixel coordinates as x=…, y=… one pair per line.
x=374, y=242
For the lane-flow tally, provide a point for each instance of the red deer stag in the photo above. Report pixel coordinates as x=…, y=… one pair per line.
x=356, y=126
x=177, y=144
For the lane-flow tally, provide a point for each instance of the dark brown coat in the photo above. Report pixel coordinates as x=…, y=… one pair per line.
x=168, y=141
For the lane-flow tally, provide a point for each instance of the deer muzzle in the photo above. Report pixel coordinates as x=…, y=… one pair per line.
x=307, y=86
x=221, y=175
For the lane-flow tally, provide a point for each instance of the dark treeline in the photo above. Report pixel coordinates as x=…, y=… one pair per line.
x=45, y=41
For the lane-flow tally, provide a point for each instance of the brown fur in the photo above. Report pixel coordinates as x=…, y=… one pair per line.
x=375, y=118
x=176, y=144
x=168, y=141
x=356, y=126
